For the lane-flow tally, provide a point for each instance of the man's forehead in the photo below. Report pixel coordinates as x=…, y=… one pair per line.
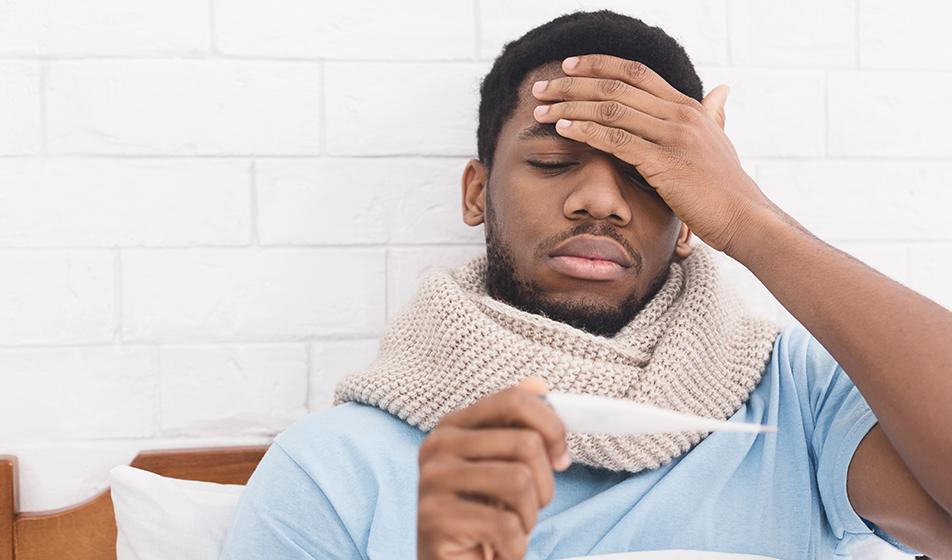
x=529, y=128
x=547, y=71
x=538, y=130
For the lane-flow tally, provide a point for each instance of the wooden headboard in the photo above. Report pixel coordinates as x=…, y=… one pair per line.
x=87, y=531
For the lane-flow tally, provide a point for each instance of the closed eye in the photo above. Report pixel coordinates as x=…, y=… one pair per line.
x=556, y=167
x=550, y=164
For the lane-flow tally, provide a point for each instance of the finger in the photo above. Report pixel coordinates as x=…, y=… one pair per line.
x=470, y=525
x=535, y=385
x=508, y=483
x=600, y=89
x=714, y=103
x=631, y=72
x=517, y=408
x=620, y=143
x=609, y=113
x=500, y=527
x=525, y=446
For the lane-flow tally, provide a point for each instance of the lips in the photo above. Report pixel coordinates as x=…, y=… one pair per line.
x=594, y=248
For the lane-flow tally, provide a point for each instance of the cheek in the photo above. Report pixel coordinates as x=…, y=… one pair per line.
x=526, y=214
x=667, y=233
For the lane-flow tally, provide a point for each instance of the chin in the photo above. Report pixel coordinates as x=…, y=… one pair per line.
x=566, y=289
x=584, y=297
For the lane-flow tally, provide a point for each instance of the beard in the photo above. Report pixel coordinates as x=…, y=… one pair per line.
x=600, y=320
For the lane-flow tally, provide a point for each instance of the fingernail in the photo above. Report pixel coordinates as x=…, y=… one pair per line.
x=563, y=462
x=541, y=110
x=563, y=123
x=570, y=62
x=534, y=384
x=539, y=86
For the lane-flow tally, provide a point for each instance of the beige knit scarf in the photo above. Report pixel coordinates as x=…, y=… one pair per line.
x=691, y=348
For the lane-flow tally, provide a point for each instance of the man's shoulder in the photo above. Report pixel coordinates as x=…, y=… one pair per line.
x=348, y=430
x=318, y=489
x=798, y=349
x=806, y=369
x=793, y=337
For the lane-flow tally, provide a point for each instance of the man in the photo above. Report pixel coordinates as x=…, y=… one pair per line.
x=598, y=161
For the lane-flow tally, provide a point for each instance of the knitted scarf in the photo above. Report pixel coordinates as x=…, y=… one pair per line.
x=691, y=348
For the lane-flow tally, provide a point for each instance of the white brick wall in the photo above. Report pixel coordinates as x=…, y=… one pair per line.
x=68, y=29
x=57, y=297
x=871, y=113
x=174, y=295
x=392, y=200
x=343, y=30
x=191, y=107
x=231, y=390
x=98, y=392
x=209, y=209
x=103, y=202
x=379, y=108
x=21, y=129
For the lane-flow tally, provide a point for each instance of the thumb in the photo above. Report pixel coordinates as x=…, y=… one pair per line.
x=535, y=385
x=714, y=103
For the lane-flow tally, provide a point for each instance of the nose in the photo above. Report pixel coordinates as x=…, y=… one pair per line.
x=599, y=194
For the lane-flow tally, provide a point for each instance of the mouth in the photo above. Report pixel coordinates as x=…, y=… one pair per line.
x=591, y=258
x=588, y=269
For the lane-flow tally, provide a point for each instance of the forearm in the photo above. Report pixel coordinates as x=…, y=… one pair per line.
x=895, y=344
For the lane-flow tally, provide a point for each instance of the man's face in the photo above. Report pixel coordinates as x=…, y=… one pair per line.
x=543, y=225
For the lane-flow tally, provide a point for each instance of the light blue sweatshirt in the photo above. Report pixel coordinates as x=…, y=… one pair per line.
x=342, y=483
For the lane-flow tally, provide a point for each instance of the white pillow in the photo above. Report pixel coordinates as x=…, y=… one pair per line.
x=160, y=518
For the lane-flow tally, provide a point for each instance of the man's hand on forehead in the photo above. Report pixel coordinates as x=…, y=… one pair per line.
x=676, y=143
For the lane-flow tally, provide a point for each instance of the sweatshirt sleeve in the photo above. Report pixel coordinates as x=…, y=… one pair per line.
x=841, y=419
x=283, y=513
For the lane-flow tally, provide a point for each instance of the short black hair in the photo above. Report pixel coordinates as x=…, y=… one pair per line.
x=598, y=32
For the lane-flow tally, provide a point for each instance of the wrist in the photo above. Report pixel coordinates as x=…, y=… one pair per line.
x=763, y=231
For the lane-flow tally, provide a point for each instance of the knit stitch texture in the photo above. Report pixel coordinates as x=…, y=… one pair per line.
x=692, y=348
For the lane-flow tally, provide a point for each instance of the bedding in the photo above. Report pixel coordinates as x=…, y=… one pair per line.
x=161, y=518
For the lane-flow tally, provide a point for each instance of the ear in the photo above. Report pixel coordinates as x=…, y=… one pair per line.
x=475, y=180
x=683, y=247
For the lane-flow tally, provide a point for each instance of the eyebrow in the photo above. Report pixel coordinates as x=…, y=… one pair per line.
x=541, y=130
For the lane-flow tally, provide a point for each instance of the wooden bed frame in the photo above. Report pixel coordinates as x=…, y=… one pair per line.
x=88, y=531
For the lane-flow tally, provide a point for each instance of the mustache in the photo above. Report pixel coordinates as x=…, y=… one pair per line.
x=602, y=229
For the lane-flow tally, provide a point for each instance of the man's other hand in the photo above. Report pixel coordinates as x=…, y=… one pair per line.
x=485, y=471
